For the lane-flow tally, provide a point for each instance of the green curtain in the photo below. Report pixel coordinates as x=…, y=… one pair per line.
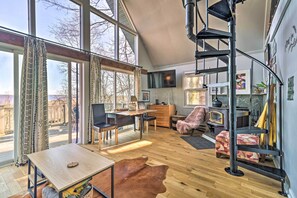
x=33, y=120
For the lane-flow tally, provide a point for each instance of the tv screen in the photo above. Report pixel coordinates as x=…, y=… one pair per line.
x=162, y=79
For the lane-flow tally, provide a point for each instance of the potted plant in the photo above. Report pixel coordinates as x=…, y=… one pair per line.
x=260, y=88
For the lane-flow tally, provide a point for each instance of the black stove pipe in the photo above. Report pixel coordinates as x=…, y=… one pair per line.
x=189, y=6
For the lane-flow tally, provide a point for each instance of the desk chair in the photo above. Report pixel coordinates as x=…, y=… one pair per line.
x=146, y=118
x=100, y=124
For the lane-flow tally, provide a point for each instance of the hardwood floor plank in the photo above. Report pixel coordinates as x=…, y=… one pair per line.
x=192, y=173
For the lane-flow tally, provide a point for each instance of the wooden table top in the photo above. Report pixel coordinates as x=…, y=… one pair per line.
x=53, y=164
x=133, y=113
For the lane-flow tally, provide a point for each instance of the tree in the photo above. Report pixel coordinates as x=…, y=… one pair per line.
x=67, y=31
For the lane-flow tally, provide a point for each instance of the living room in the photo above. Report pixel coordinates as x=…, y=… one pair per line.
x=122, y=98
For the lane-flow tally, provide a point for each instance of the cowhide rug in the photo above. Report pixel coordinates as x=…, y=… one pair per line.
x=133, y=178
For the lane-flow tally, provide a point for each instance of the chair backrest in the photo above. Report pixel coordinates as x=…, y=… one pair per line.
x=141, y=105
x=99, y=115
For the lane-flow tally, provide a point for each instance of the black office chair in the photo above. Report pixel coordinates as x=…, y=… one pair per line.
x=147, y=118
x=100, y=124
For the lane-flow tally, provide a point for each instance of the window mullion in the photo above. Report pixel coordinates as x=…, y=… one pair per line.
x=117, y=57
x=32, y=17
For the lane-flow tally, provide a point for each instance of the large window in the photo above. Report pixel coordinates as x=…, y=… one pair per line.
x=104, y=29
x=107, y=89
x=194, y=92
x=14, y=15
x=116, y=89
x=126, y=47
x=105, y=6
x=102, y=36
x=61, y=21
x=125, y=88
x=58, y=21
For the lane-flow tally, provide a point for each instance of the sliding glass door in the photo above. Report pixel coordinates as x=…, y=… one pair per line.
x=63, y=102
x=6, y=107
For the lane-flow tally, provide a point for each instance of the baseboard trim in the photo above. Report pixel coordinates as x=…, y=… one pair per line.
x=209, y=138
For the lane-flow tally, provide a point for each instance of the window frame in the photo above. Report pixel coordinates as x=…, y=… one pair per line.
x=186, y=90
x=115, y=71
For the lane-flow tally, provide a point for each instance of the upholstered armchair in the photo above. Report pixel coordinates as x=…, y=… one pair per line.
x=196, y=118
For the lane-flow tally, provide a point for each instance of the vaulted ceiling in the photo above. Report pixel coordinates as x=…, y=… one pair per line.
x=161, y=26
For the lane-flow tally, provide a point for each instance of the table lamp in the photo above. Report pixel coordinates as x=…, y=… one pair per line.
x=133, y=103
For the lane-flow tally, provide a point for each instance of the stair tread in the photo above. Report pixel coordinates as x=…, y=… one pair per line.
x=211, y=54
x=212, y=70
x=246, y=130
x=260, y=149
x=221, y=10
x=213, y=34
x=271, y=172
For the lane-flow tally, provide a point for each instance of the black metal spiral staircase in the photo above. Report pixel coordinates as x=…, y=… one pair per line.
x=225, y=10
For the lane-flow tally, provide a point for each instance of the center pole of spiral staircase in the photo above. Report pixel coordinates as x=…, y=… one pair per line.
x=233, y=169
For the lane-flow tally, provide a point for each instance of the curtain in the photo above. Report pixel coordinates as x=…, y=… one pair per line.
x=33, y=120
x=95, y=88
x=137, y=79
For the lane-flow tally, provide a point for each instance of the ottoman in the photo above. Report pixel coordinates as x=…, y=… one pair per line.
x=222, y=145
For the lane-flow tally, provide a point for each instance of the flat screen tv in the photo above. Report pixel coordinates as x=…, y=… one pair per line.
x=161, y=79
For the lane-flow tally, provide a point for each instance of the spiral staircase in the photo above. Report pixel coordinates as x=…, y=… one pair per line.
x=225, y=10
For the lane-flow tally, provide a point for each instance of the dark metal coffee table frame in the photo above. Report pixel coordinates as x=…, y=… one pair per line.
x=33, y=189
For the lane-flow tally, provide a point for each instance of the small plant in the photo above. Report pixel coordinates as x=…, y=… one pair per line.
x=260, y=87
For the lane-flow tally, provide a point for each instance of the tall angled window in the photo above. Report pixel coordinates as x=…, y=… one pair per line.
x=126, y=47
x=105, y=6
x=123, y=17
x=14, y=15
x=102, y=36
x=59, y=21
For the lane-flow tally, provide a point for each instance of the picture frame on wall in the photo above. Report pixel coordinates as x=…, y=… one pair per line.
x=243, y=82
x=145, y=95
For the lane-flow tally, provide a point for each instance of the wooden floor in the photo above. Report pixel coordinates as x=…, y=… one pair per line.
x=191, y=173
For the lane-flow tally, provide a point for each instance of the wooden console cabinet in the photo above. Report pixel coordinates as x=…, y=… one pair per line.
x=163, y=114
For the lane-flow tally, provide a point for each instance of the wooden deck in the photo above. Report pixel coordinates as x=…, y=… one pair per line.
x=192, y=173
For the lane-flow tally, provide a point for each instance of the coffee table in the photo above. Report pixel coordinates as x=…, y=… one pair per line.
x=52, y=164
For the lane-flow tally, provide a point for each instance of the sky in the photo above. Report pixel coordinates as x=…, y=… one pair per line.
x=18, y=21
x=14, y=15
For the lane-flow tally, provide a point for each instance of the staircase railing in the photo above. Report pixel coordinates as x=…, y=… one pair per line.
x=225, y=10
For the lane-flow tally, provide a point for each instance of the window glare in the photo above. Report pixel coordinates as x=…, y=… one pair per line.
x=16, y=19
x=58, y=21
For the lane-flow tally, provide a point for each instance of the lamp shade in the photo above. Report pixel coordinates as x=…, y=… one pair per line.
x=133, y=99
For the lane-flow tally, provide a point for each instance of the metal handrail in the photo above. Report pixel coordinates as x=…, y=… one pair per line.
x=259, y=62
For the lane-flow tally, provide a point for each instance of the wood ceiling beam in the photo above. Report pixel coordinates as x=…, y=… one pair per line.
x=18, y=40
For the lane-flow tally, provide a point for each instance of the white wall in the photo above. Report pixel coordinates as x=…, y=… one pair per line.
x=287, y=67
x=144, y=61
x=176, y=95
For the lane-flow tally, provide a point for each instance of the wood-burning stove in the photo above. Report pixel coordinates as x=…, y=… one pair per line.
x=219, y=118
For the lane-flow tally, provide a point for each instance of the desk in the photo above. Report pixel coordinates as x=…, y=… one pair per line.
x=52, y=163
x=139, y=113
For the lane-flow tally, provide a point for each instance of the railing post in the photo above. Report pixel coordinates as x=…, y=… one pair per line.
x=206, y=12
x=251, y=94
x=280, y=117
x=233, y=169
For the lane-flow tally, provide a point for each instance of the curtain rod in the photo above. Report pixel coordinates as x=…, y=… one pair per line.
x=66, y=46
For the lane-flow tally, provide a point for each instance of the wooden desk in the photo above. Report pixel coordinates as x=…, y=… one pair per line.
x=139, y=113
x=52, y=163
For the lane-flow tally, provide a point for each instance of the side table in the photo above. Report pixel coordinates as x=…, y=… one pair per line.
x=174, y=119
